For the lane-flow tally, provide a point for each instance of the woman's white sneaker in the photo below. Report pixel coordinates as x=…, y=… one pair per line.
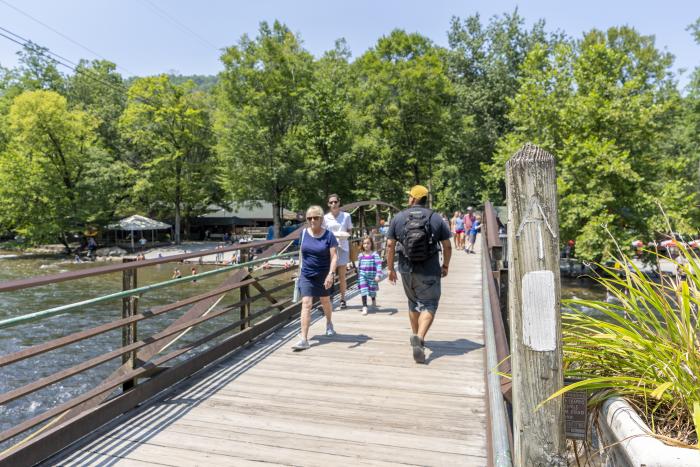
x=301, y=345
x=364, y=310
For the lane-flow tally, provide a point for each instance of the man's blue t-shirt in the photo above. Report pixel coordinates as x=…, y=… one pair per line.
x=316, y=253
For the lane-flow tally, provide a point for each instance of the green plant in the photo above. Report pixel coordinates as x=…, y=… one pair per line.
x=644, y=345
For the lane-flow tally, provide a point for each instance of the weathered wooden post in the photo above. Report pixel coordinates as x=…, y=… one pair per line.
x=129, y=332
x=534, y=302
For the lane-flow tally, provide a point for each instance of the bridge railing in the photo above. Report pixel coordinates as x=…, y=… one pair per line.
x=496, y=338
x=153, y=363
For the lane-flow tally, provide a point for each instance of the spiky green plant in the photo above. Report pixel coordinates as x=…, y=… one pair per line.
x=645, y=345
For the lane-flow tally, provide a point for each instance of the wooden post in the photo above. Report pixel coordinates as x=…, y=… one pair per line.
x=129, y=332
x=534, y=307
x=245, y=291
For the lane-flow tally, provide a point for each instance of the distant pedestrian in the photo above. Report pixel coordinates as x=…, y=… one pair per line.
x=369, y=271
x=468, y=219
x=194, y=273
x=473, y=230
x=340, y=224
x=420, y=234
x=458, y=230
x=316, y=273
x=91, y=247
x=176, y=274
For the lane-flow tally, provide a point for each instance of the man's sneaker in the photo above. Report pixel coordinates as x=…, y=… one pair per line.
x=343, y=305
x=301, y=345
x=364, y=310
x=329, y=330
x=418, y=350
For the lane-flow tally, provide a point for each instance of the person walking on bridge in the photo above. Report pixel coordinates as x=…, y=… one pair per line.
x=340, y=224
x=317, y=272
x=420, y=234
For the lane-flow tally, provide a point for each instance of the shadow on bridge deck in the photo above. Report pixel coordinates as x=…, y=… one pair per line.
x=356, y=398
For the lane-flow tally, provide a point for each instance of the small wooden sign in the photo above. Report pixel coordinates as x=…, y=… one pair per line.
x=576, y=414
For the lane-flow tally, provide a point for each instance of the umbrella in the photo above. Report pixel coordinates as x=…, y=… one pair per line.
x=138, y=223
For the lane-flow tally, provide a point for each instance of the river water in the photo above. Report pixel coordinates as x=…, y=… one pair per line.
x=18, y=303
x=31, y=300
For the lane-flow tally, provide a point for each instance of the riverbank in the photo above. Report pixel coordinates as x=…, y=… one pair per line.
x=108, y=254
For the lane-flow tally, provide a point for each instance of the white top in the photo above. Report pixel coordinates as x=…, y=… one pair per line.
x=340, y=227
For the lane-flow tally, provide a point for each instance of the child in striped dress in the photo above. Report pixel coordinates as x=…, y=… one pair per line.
x=369, y=267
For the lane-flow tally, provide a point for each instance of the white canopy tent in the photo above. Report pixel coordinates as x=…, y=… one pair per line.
x=137, y=223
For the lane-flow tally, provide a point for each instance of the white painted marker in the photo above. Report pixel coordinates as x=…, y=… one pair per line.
x=539, y=313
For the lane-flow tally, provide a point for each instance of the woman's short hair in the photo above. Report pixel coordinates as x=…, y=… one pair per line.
x=331, y=196
x=314, y=211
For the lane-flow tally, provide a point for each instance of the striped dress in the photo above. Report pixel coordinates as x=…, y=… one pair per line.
x=369, y=265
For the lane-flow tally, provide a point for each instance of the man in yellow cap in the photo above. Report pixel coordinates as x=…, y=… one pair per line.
x=420, y=235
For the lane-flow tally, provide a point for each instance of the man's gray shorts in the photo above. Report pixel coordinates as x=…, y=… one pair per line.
x=423, y=292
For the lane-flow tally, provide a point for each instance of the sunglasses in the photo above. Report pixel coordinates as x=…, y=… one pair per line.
x=333, y=202
x=313, y=218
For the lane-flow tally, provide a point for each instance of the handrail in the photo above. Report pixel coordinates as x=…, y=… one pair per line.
x=497, y=350
x=10, y=322
x=82, y=335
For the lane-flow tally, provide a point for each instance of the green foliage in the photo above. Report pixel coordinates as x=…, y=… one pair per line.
x=643, y=345
x=168, y=128
x=404, y=100
x=484, y=63
x=261, y=107
x=602, y=105
x=50, y=169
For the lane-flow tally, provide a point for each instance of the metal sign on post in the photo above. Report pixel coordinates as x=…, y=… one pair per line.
x=575, y=412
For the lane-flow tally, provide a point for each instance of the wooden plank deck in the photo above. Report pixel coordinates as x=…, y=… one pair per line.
x=354, y=399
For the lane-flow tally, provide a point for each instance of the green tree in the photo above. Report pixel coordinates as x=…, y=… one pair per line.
x=602, y=105
x=484, y=63
x=97, y=88
x=404, y=100
x=327, y=130
x=48, y=171
x=169, y=130
x=261, y=101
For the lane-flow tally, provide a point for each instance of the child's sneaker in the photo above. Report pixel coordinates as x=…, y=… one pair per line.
x=364, y=310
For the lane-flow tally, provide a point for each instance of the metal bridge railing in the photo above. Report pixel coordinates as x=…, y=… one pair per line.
x=496, y=340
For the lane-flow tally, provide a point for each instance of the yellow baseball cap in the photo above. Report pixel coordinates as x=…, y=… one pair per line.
x=418, y=192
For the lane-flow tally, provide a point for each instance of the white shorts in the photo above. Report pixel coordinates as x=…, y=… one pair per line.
x=343, y=257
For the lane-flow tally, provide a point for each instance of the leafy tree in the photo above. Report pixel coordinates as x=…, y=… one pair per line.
x=261, y=98
x=97, y=88
x=46, y=187
x=169, y=129
x=602, y=106
x=327, y=130
x=484, y=63
x=405, y=99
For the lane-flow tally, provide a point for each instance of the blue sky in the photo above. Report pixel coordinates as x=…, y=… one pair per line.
x=142, y=37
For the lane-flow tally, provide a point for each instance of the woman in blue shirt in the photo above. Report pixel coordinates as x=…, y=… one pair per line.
x=318, y=262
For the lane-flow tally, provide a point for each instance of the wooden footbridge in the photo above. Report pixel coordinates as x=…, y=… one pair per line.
x=236, y=394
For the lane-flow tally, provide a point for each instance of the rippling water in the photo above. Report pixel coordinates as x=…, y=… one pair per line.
x=40, y=298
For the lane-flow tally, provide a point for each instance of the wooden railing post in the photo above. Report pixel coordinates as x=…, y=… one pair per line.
x=534, y=303
x=129, y=332
x=245, y=292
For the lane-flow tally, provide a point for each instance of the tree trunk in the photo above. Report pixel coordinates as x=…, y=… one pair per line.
x=178, y=200
x=276, y=218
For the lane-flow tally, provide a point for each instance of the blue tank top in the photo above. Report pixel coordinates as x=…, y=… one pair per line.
x=459, y=224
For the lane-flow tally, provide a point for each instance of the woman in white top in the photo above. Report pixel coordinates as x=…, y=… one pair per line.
x=339, y=223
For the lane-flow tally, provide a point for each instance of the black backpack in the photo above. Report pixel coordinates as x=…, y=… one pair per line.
x=418, y=241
